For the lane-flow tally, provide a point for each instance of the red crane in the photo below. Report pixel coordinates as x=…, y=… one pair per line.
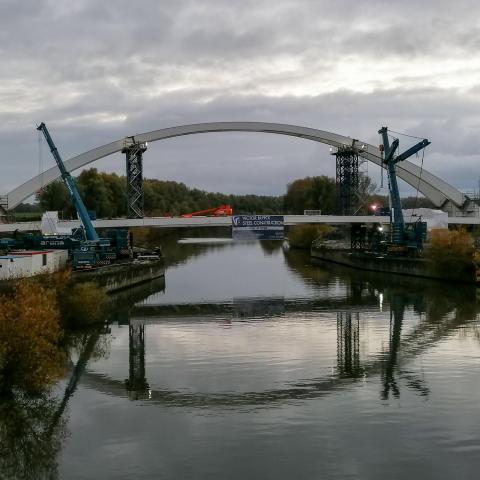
x=222, y=211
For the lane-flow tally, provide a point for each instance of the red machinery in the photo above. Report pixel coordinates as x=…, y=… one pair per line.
x=222, y=211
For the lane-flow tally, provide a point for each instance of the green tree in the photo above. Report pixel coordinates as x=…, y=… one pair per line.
x=106, y=194
x=311, y=193
x=55, y=197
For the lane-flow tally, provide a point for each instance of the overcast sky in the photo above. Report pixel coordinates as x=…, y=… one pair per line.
x=96, y=71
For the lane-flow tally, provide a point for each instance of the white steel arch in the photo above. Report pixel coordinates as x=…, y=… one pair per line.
x=429, y=185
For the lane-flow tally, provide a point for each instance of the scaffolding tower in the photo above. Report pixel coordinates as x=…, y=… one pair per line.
x=347, y=179
x=133, y=151
x=3, y=207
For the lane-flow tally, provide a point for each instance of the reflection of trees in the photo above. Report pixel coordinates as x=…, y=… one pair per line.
x=32, y=427
x=31, y=359
x=270, y=246
x=298, y=262
x=28, y=445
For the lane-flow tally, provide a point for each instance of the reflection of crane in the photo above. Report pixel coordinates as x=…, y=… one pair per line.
x=390, y=364
x=221, y=211
x=77, y=372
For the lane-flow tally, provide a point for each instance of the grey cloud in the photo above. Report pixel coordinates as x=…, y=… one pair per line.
x=71, y=63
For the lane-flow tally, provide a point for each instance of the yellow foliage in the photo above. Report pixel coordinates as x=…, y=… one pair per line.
x=30, y=332
x=451, y=252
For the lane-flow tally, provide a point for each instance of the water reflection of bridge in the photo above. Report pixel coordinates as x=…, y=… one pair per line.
x=350, y=367
x=441, y=315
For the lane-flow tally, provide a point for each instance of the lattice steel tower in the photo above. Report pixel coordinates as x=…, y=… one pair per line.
x=347, y=179
x=3, y=206
x=134, y=160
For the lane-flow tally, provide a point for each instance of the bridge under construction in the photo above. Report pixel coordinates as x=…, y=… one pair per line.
x=348, y=149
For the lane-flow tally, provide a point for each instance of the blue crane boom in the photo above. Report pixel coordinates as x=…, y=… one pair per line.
x=390, y=161
x=90, y=232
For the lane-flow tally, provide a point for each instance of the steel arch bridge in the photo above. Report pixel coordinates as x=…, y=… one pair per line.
x=431, y=186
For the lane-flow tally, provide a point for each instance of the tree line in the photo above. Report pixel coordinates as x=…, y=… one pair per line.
x=106, y=194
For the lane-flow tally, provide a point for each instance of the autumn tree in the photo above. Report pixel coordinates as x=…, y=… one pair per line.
x=451, y=253
x=30, y=333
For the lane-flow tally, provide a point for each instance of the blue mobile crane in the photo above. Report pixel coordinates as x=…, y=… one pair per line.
x=404, y=238
x=91, y=250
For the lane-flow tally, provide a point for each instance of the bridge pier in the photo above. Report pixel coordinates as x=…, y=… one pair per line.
x=133, y=151
x=347, y=179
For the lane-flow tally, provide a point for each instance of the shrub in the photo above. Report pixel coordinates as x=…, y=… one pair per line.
x=451, y=253
x=302, y=236
x=84, y=303
x=30, y=334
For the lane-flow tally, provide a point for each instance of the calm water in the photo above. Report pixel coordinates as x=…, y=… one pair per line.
x=248, y=362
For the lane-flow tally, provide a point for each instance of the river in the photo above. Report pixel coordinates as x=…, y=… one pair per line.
x=249, y=362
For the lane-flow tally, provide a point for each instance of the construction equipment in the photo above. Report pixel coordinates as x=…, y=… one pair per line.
x=91, y=250
x=405, y=239
x=221, y=211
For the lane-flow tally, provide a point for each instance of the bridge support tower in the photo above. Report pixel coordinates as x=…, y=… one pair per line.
x=133, y=151
x=3, y=207
x=347, y=179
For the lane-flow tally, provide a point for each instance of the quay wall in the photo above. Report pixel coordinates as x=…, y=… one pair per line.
x=122, y=275
x=417, y=267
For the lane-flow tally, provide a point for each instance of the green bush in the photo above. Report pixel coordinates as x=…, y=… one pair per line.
x=302, y=236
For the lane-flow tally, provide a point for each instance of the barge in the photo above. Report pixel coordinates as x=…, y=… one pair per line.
x=386, y=263
x=123, y=274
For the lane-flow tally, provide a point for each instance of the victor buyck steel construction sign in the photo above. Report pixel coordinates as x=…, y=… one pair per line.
x=260, y=227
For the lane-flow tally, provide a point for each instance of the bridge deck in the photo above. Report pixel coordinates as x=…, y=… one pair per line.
x=178, y=222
